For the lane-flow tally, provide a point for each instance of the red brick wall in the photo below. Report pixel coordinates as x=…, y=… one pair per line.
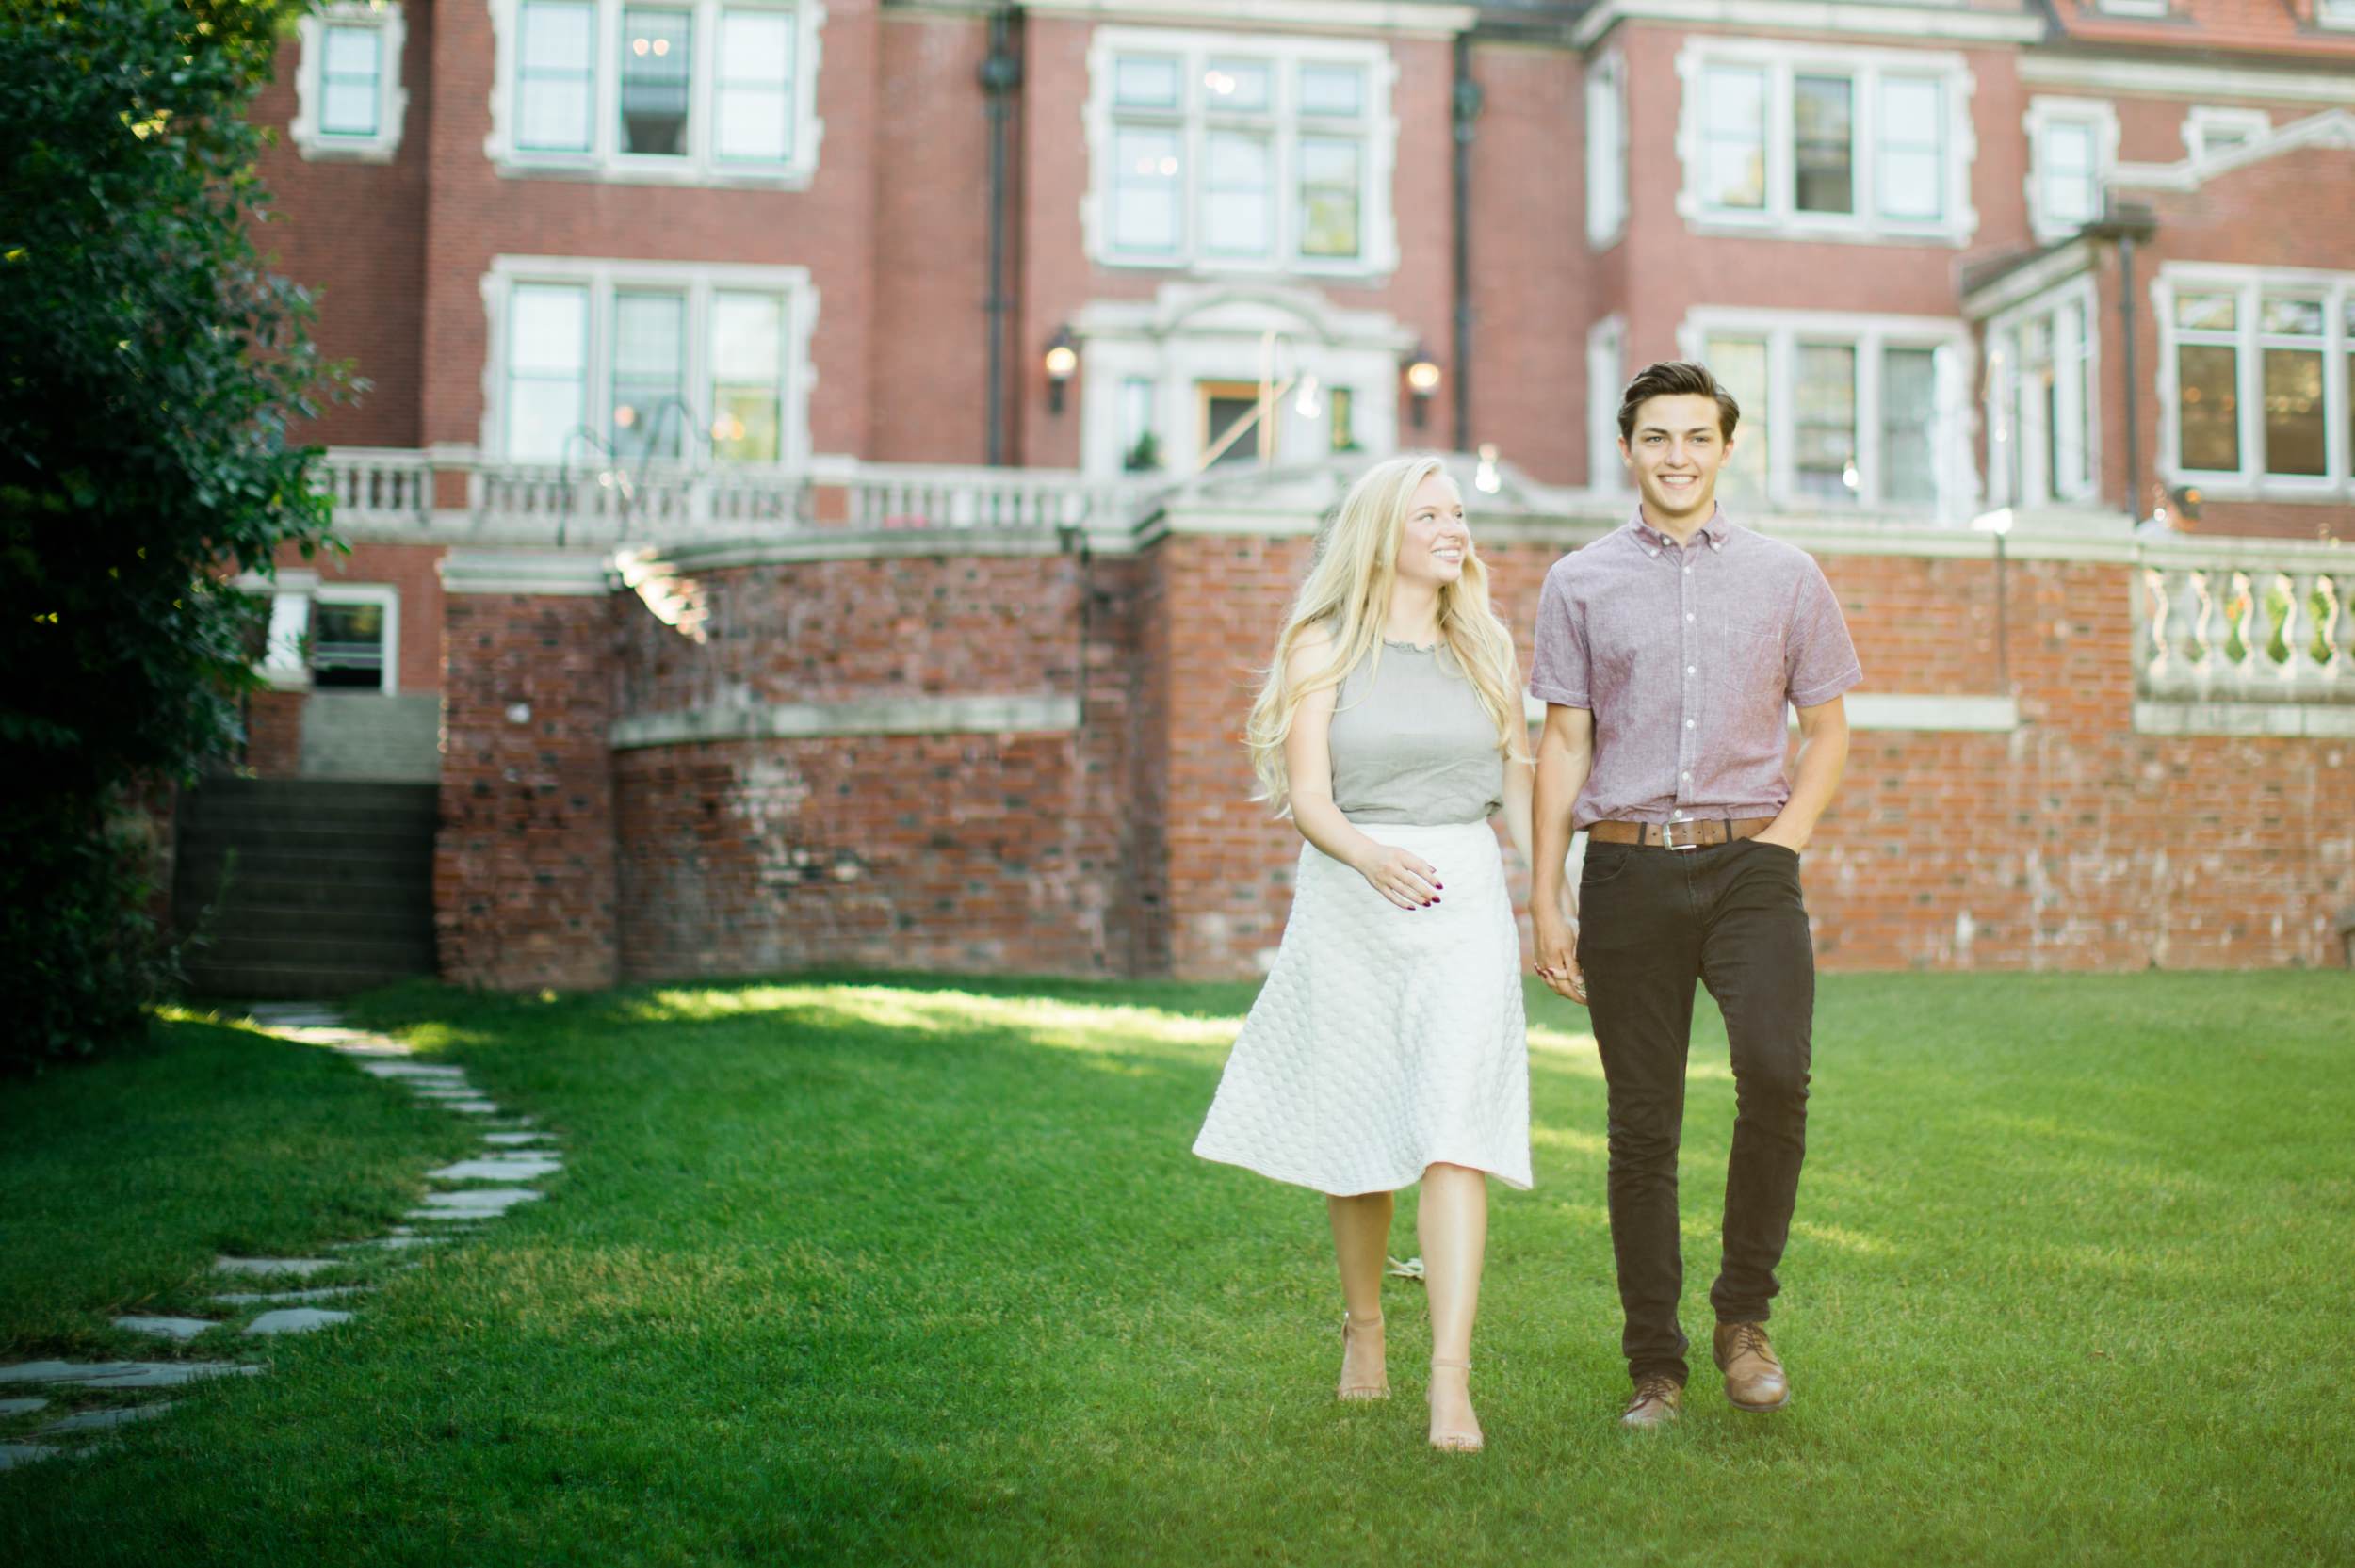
x=354, y=235
x=953, y=852
x=273, y=733
x=524, y=863
x=1532, y=278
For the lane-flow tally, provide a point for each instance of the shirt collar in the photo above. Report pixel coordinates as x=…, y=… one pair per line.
x=1715, y=532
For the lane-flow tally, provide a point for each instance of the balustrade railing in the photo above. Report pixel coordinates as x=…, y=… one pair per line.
x=378, y=484
x=2248, y=624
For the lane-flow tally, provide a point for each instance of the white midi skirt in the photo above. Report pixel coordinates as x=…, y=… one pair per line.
x=1385, y=1038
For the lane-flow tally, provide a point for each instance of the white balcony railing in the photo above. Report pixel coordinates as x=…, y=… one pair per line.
x=2246, y=621
x=385, y=491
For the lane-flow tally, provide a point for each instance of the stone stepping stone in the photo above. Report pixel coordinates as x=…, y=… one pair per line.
x=21, y=1407
x=123, y=1374
x=392, y=1243
x=513, y=1167
x=473, y=1107
x=14, y=1454
x=505, y=1138
x=415, y=1071
x=300, y=1266
x=296, y=1320
x=323, y=1293
x=173, y=1328
x=446, y=1091
x=477, y=1199
x=90, y=1420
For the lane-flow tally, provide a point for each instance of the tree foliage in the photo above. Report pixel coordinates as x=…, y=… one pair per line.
x=150, y=367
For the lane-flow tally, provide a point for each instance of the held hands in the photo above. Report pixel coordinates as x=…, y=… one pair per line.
x=1556, y=936
x=1402, y=878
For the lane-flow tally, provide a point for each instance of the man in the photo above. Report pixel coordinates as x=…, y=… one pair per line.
x=1665, y=653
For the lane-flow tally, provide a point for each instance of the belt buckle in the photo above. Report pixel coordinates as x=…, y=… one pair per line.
x=1668, y=837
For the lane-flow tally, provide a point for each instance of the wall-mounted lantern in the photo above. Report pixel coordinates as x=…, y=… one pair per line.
x=1422, y=379
x=1063, y=362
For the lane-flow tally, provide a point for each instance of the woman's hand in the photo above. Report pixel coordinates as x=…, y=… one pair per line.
x=1405, y=879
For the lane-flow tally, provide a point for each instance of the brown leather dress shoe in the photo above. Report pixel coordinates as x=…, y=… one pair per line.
x=1658, y=1400
x=1754, y=1377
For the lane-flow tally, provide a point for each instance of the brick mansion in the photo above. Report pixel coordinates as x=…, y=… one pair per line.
x=831, y=468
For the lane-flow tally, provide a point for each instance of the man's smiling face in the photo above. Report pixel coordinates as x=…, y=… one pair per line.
x=1674, y=452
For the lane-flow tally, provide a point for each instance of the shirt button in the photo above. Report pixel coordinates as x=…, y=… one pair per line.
x=1688, y=724
x=1688, y=616
x=1688, y=569
x=1691, y=670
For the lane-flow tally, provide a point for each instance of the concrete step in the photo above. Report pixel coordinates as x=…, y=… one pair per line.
x=288, y=982
x=311, y=892
x=240, y=949
x=301, y=836
x=316, y=794
x=342, y=920
x=208, y=862
x=367, y=735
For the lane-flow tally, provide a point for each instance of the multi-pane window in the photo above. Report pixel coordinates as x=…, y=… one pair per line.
x=1606, y=150
x=2255, y=365
x=2040, y=399
x=1858, y=142
x=2209, y=130
x=690, y=89
x=1229, y=157
x=669, y=366
x=1139, y=442
x=1837, y=412
x=2071, y=144
x=351, y=81
x=348, y=101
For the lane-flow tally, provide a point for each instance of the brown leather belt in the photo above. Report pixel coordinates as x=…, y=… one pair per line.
x=1679, y=835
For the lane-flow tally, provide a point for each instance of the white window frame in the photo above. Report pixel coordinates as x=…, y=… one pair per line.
x=603, y=161
x=2256, y=125
x=1606, y=150
x=699, y=283
x=1607, y=379
x=368, y=594
x=2134, y=8
x=1780, y=218
x=2045, y=112
x=1284, y=55
x=2334, y=15
x=1956, y=479
x=392, y=99
x=2250, y=482
x=2082, y=403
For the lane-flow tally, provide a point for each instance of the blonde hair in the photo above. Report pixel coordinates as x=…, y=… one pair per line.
x=1347, y=592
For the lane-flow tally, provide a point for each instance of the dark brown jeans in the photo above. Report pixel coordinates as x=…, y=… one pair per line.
x=1652, y=923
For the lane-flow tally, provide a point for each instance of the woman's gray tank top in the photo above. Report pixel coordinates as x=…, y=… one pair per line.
x=1411, y=743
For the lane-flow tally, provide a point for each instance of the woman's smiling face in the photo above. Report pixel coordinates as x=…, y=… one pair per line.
x=1432, y=547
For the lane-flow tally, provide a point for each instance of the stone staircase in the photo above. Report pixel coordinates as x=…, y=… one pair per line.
x=305, y=887
x=363, y=735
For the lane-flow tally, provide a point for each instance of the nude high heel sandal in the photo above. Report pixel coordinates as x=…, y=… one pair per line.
x=1379, y=1390
x=1455, y=1440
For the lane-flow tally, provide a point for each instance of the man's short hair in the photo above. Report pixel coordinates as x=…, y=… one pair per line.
x=1677, y=378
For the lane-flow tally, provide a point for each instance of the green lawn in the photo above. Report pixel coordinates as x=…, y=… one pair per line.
x=912, y=1270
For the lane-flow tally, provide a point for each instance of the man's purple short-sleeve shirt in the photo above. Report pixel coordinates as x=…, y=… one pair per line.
x=1686, y=656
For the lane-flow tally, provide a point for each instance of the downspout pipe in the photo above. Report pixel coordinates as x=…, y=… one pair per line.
x=2128, y=224
x=1466, y=102
x=1001, y=79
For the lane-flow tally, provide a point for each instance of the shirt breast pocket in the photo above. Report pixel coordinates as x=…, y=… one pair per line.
x=1752, y=645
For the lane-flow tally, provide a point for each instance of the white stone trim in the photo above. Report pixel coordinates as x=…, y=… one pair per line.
x=602, y=276
x=2132, y=7
x=2024, y=282
x=1606, y=150
x=1957, y=475
x=1838, y=17
x=1864, y=66
x=2297, y=720
x=1606, y=381
x=2044, y=113
x=1896, y=710
x=1043, y=713
x=1197, y=332
x=2335, y=485
x=540, y=572
x=1379, y=126
x=392, y=100
x=2141, y=78
x=2204, y=117
x=2329, y=128
x=289, y=592
x=603, y=162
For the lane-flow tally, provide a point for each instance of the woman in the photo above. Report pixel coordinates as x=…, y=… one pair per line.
x=1388, y=1044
